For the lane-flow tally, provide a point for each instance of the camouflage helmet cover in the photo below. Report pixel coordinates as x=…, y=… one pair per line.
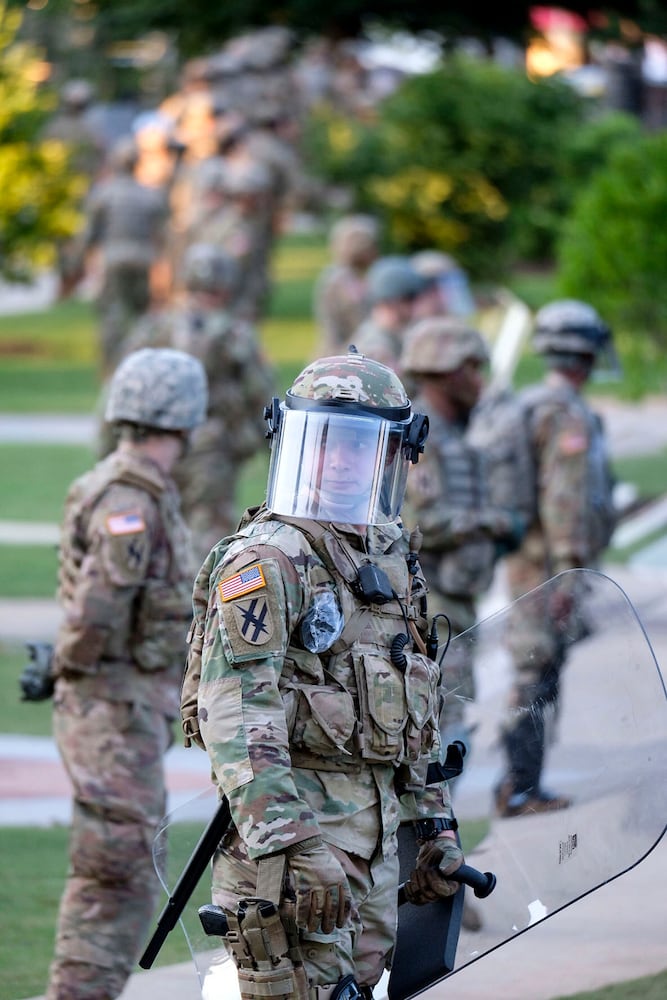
x=208, y=268
x=352, y=379
x=160, y=388
x=441, y=344
x=354, y=237
x=571, y=327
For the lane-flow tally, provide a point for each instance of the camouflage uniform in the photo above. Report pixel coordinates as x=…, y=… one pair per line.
x=449, y=498
x=572, y=522
x=240, y=383
x=393, y=285
x=340, y=299
x=86, y=155
x=307, y=720
x=126, y=220
x=125, y=583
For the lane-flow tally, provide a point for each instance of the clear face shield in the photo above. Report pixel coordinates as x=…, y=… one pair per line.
x=332, y=466
x=455, y=293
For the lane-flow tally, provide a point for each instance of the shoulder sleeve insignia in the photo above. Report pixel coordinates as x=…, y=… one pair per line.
x=241, y=583
x=572, y=443
x=130, y=522
x=253, y=620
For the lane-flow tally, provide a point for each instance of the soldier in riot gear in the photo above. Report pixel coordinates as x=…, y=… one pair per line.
x=571, y=523
x=125, y=582
x=449, y=496
x=308, y=684
x=393, y=286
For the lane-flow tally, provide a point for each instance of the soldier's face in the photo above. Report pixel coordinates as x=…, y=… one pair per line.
x=348, y=463
x=464, y=386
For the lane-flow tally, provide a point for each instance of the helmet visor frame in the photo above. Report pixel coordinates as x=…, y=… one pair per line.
x=335, y=466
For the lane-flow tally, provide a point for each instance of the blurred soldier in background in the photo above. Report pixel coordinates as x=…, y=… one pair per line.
x=239, y=228
x=72, y=126
x=86, y=157
x=449, y=497
x=126, y=224
x=341, y=297
x=393, y=285
x=125, y=583
x=240, y=385
x=572, y=522
x=446, y=289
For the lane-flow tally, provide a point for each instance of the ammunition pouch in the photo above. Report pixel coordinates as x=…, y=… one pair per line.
x=268, y=966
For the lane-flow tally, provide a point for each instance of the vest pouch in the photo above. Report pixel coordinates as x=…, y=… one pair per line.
x=161, y=626
x=422, y=678
x=324, y=720
x=383, y=707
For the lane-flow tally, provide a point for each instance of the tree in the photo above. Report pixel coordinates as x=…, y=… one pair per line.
x=38, y=193
x=199, y=26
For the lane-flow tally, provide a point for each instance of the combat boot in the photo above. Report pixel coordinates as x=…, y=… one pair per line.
x=510, y=803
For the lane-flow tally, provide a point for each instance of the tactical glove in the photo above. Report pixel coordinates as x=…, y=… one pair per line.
x=319, y=883
x=436, y=859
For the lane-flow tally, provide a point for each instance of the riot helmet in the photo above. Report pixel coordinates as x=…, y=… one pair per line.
x=441, y=344
x=447, y=282
x=567, y=330
x=391, y=278
x=159, y=388
x=342, y=442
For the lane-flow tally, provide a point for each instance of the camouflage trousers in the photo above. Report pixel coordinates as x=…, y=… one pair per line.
x=538, y=652
x=363, y=947
x=113, y=753
x=124, y=297
x=457, y=676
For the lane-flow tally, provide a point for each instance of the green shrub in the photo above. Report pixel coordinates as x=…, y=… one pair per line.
x=464, y=158
x=614, y=247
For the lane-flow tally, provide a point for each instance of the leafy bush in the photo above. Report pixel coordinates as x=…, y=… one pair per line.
x=473, y=158
x=614, y=247
x=38, y=192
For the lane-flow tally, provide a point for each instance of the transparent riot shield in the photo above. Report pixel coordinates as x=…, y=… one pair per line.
x=173, y=846
x=603, y=723
x=566, y=672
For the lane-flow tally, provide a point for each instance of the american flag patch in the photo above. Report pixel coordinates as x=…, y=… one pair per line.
x=129, y=523
x=242, y=583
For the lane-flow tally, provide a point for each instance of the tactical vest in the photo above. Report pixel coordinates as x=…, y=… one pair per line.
x=355, y=703
x=467, y=570
x=154, y=639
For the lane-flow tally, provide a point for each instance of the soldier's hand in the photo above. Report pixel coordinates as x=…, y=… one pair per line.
x=436, y=859
x=322, y=892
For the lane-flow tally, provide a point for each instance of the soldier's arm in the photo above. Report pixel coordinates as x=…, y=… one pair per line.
x=119, y=540
x=563, y=489
x=241, y=713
